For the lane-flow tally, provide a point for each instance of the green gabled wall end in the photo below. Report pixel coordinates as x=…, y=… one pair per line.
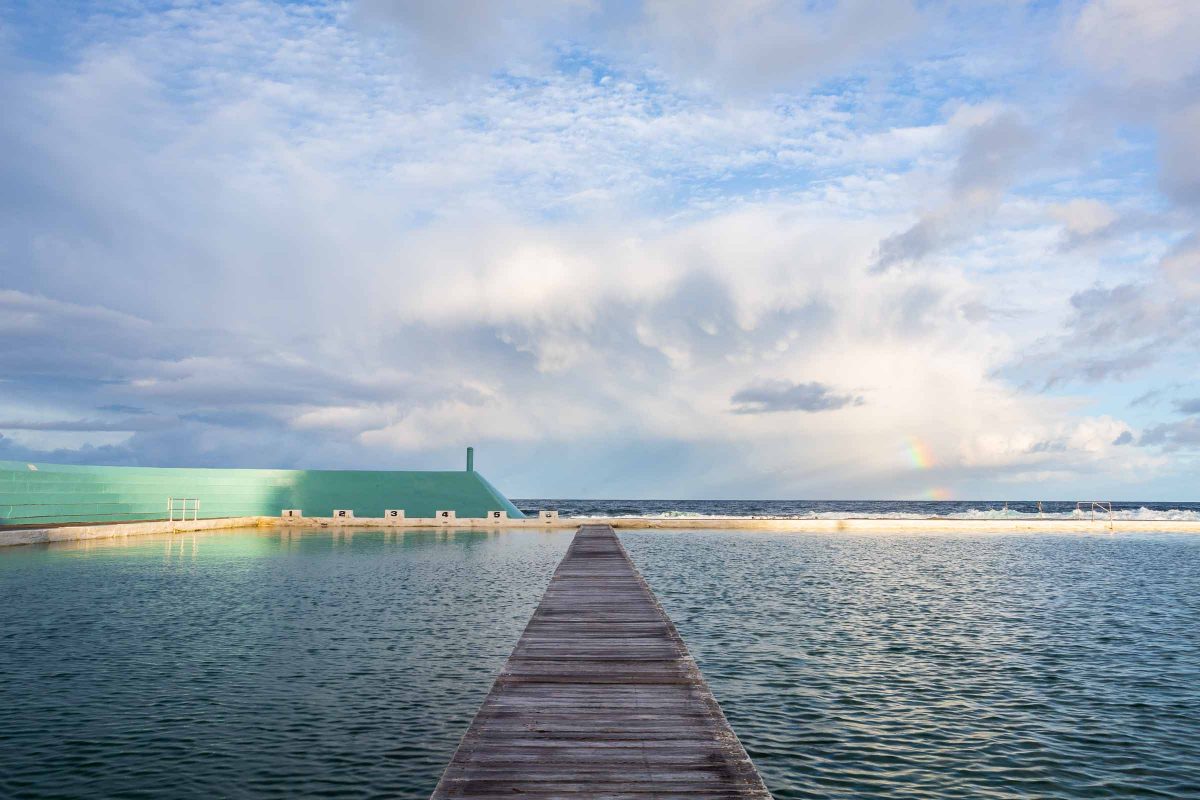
x=34, y=493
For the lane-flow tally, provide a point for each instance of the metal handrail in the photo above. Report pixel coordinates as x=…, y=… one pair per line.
x=1103, y=505
x=183, y=508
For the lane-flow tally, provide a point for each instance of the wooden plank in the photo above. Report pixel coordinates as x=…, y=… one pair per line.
x=600, y=699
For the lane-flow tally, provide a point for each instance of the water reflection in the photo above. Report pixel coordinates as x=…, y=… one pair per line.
x=179, y=545
x=339, y=662
x=257, y=663
x=946, y=666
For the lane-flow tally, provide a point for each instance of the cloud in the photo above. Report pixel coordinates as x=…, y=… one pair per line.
x=765, y=397
x=133, y=424
x=455, y=37
x=297, y=236
x=1138, y=41
x=996, y=143
x=769, y=44
x=1179, y=170
x=1093, y=224
x=1180, y=272
x=114, y=455
x=1173, y=436
x=1115, y=331
x=1126, y=437
x=1188, y=406
x=118, y=408
x=730, y=48
x=1084, y=220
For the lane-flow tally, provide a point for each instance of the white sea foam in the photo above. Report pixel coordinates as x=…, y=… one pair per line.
x=1143, y=513
x=1146, y=514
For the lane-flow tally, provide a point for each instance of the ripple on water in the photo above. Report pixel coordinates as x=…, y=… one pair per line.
x=946, y=666
x=254, y=664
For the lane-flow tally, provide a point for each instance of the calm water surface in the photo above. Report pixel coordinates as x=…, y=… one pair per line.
x=255, y=664
x=259, y=664
x=979, y=666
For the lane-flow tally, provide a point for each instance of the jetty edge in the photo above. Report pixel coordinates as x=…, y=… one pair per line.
x=600, y=699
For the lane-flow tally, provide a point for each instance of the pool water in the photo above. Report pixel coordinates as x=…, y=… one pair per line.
x=255, y=663
x=265, y=664
x=931, y=666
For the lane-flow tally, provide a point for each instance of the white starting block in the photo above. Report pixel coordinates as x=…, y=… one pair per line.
x=548, y=517
x=496, y=517
x=394, y=514
x=291, y=513
x=445, y=517
x=343, y=513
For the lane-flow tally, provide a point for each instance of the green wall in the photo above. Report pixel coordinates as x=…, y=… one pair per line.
x=54, y=493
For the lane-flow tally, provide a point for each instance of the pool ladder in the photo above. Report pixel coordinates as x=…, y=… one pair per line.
x=1103, y=506
x=183, y=506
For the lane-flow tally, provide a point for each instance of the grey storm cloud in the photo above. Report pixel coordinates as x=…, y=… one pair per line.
x=992, y=153
x=1114, y=331
x=180, y=369
x=1179, y=173
x=758, y=47
x=1124, y=224
x=1170, y=436
x=732, y=47
x=122, y=455
x=1116, y=319
x=992, y=156
x=1188, y=406
x=142, y=423
x=1151, y=396
x=1126, y=437
x=1046, y=370
x=448, y=39
x=120, y=408
x=913, y=243
x=768, y=397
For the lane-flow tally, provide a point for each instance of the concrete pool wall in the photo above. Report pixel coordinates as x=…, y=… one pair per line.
x=30, y=535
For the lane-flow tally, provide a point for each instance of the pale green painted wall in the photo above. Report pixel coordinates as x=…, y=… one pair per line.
x=54, y=493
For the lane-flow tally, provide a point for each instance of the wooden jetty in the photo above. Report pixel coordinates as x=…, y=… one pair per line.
x=600, y=699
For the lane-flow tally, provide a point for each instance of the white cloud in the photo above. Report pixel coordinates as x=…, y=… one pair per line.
x=1138, y=41
x=1084, y=216
x=258, y=225
x=765, y=45
x=736, y=48
x=451, y=37
x=995, y=144
x=1181, y=270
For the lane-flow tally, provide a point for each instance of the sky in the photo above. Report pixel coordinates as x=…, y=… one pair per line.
x=640, y=249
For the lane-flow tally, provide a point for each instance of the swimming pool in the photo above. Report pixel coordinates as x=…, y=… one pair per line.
x=260, y=663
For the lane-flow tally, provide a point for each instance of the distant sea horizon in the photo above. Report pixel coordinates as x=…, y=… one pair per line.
x=869, y=509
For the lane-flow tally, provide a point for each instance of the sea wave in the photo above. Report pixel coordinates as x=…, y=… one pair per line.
x=1143, y=513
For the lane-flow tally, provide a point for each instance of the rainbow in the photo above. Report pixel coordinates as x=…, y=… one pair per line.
x=919, y=453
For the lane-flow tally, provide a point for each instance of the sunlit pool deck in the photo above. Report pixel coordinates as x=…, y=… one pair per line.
x=18, y=535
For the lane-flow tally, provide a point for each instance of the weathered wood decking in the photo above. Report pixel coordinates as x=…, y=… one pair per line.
x=600, y=699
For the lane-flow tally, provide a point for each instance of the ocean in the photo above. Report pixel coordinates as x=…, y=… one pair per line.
x=869, y=509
